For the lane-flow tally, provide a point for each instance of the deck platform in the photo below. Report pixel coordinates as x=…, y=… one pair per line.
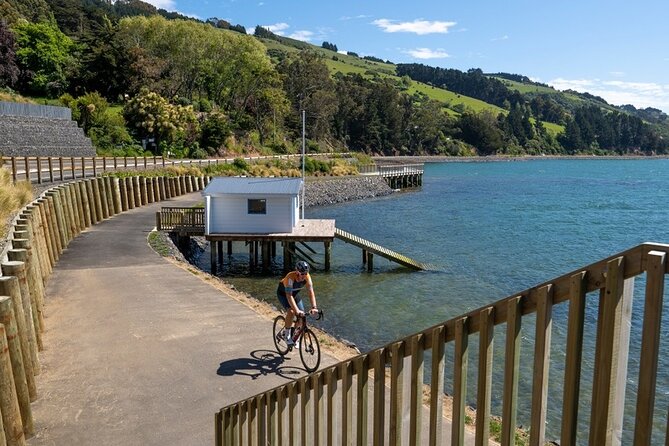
x=305, y=231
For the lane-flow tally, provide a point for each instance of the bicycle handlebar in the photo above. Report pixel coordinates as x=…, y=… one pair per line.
x=318, y=316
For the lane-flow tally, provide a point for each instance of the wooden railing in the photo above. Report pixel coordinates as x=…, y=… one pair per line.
x=51, y=169
x=318, y=409
x=190, y=220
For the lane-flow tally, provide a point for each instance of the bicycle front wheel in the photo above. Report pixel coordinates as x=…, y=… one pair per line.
x=279, y=341
x=310, y=351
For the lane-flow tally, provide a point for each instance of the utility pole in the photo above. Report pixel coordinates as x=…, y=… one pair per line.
x=304, y=185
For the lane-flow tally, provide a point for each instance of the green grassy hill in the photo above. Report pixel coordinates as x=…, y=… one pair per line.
x=454, y=103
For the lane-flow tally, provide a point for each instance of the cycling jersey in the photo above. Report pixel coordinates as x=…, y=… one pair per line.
x=291, y=284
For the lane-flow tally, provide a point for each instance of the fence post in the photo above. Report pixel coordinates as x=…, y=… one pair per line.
x=17, y=269
x=511, y=366
x=651, y=346
x=27, y=163
x=9, y=286
x=14, y=169
x=9, y=403
x=28, y=291
x=611, y=356
x=9, y=320
x=50, y=159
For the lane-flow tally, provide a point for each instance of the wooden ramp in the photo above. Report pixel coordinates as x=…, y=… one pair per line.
x=393, y=256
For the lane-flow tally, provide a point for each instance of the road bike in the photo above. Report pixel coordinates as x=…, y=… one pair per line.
x=310, y=350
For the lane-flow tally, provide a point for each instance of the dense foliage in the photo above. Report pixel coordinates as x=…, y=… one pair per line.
x=139, y=78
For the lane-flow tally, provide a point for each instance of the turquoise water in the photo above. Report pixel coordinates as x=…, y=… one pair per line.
x=495, y=228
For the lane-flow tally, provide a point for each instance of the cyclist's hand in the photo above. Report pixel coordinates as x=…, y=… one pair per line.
x=299, y=312
x=314, y=310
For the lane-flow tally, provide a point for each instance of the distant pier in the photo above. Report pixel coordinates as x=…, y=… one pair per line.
x=398, y=176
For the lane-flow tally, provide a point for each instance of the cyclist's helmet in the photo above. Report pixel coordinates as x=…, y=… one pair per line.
x=302, y=267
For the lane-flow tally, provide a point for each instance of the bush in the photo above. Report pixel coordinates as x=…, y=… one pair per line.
x=215, y=130
x=240, y=163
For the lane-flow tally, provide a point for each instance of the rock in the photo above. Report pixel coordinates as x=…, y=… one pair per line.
x=322, y=192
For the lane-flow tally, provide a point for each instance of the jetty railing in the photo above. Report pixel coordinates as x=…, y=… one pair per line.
x=318, y=409
x=386, y=170
x=40, y=170
x=190, y=220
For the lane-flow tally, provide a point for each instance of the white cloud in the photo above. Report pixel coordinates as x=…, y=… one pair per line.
x=417, y=26
x=497, y=39
x=277, y=28
x=305, y=36
x=167, y=5
x=361, y=16
x=639, y=94
x=427, y=53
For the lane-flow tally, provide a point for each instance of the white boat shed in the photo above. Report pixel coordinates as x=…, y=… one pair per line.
x=241, y=205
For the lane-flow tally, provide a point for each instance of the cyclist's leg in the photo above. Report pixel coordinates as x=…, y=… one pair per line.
x=287, y=309
x=300, y=305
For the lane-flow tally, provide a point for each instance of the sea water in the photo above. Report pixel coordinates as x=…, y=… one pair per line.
x=494, y=229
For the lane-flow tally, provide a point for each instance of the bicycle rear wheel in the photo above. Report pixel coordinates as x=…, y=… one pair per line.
x=279, y=341
x=310, y=351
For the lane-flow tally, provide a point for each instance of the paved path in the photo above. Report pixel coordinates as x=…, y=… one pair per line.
x=140, y=352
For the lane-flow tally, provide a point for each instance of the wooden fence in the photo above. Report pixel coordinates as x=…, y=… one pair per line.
x=38, y=236
x=188, y=220
x=387, y=382
x=51, y=169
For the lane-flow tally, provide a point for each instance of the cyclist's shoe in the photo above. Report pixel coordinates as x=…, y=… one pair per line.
x=296, y=345
x=287, y=335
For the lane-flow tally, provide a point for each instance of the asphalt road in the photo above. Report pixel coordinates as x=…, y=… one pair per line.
x=141, y=352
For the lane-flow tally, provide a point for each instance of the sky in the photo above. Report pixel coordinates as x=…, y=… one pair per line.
x=615, y=49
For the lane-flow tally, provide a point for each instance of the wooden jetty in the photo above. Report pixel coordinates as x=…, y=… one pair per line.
x=371, y=248
x=187, y=222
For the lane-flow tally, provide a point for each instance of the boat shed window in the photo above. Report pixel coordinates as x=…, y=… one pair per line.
x=257, y=206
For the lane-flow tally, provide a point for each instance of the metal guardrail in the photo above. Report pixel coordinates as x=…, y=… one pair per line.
x=318, y=408
x=34, y=110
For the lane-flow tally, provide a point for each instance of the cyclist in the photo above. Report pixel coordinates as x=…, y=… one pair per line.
x=287, y=292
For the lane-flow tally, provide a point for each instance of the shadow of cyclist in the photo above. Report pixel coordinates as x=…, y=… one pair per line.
x=261, y=362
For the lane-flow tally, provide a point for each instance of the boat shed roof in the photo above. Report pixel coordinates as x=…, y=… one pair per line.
x=253, y=186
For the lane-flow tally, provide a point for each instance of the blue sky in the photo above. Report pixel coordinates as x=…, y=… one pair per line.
x=616, y=49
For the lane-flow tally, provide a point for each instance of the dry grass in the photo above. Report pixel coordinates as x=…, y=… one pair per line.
x=12, y=198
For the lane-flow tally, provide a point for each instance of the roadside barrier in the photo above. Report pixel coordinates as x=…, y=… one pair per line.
x=38, y=235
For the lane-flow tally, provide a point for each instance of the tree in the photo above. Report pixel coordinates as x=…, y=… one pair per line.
x=45, y=55
x=481, y=131
x=31, y=10
x=150, y=115
x=9, y=70
x=308, y=86
x=330, y=46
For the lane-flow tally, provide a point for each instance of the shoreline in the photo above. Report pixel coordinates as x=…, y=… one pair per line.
x=502, y=158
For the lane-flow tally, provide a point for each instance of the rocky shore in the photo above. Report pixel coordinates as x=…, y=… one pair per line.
x=331, y=190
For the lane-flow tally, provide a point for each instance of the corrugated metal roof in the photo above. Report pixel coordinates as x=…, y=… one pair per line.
x=253, y=186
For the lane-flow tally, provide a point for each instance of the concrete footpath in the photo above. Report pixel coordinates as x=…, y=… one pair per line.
x=141, y=352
